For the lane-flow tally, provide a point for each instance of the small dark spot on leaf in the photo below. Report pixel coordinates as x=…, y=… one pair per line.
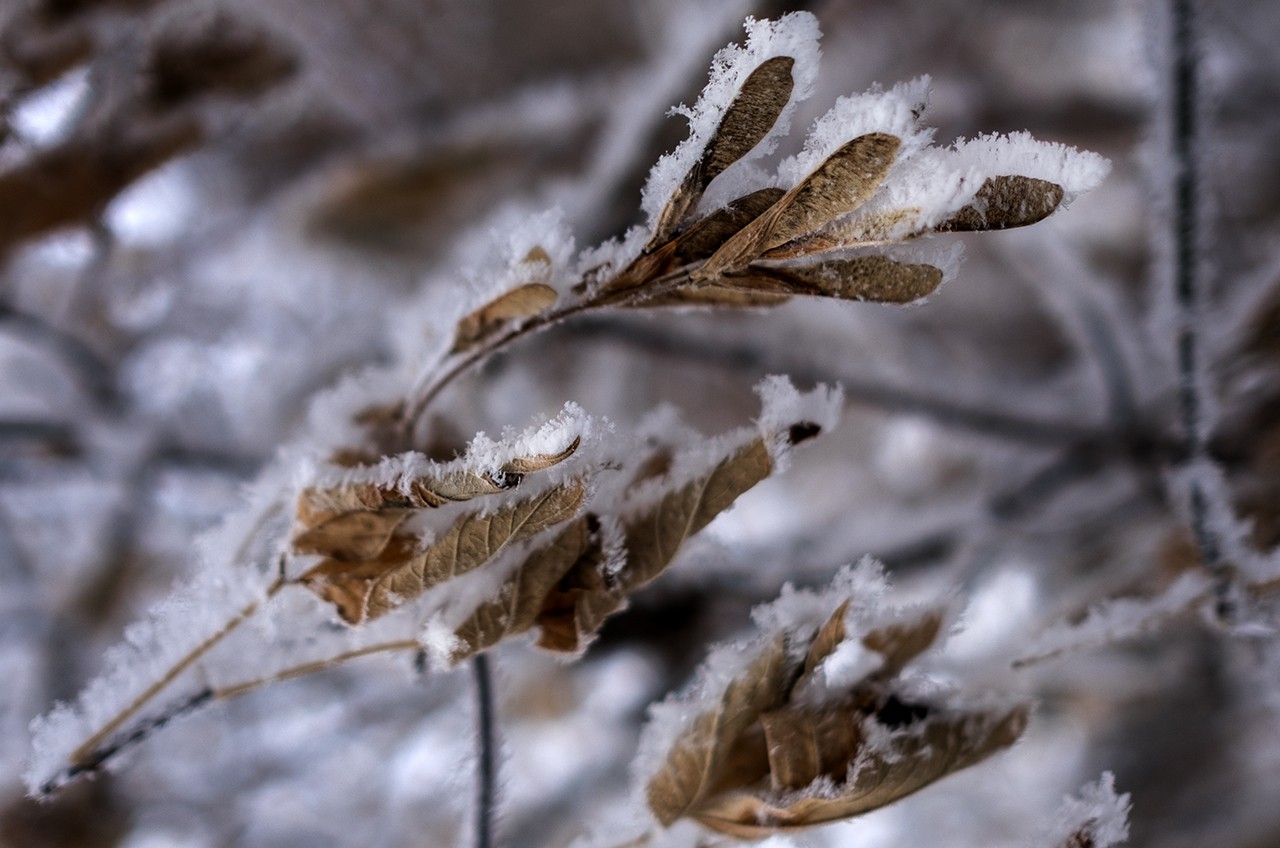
x=802, y=432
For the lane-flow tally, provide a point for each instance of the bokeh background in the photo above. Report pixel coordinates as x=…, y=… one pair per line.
x=211, y=211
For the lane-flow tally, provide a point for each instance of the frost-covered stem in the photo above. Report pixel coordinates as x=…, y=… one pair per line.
x=486, y=773
x=226, y=693
x=413, y=411
x=1187, y=293
x=89, y=748
x=90, y=757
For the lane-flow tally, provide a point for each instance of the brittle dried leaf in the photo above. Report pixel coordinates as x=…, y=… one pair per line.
x=354, y=522
x=804, y=745
x=651, y=539
x=753, y=112
x=844, y=181
x=523, y=598
x=942, y=744
x=368, y=589
x=695, y=244
x=521, y=302
x=1005, y=202
x=695, y=763
x=828, y=638
x=901, y=642
x=877, y=279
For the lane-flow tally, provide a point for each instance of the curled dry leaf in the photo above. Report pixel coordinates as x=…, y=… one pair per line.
x=745, y=767
x=522, y=302
x=913, y=759
x=697, y=764
x=693, y=245
x=844, y=181
x=651, y=538
x=877, y=279
x=753, y=112
x=1005, y=202
x=354, y=522
x=563, y=589
x=366, y=589
x=526, y=598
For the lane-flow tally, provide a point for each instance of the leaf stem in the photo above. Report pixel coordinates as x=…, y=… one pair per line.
x=87, y=750
x=486, y=771
x=414, y=410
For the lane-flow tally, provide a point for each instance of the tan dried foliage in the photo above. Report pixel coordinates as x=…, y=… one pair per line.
x=522, y=302
x=562, y=588
x=876, y=279
x=697, y=763
x=524, y=599
x=366, y=589
x=753, y=112
x=651, y=538
x=354, y=522
x=1005, y=202
x=739, y=766
x=842, y=183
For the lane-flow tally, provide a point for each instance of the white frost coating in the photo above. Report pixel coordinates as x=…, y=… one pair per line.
x=1097, y=811
x=1077, y=171
x=484, y=455
x=798, y=610
x=783, y=405
x=896, y=111
x=439, y=642
x=795, y=35
x=1121, y=618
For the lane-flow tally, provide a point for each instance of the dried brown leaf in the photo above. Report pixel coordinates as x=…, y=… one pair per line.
x=1005, y=202
x=523, y=599
x=901, y=642
x=695, y=244
x=351, y=536
x=842, y=183
x=753, y=112
x=804, y=745
x=942, y=744
x=828, y=638
x=354, y=522
x=368, y=589
x=877, y=279
x=697, y=761
x=522, y=302
x=651, y=538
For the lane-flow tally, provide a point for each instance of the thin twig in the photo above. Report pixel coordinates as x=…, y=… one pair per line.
x=1187, y=292
x=486, y=772
x=87, y=751
x=96, y=755
x=414, y=409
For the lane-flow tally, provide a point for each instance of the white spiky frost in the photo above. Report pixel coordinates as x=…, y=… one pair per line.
x=1097, y=811
x=795, y=35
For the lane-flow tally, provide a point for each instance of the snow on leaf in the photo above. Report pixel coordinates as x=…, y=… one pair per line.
x=845, y=180
x=698, y=761
x=1005, y=202
x=652, y=535
x=364, y=590
x=521, y=302
x=355, y=521
x=913, y=759
x=817, y=754
x=749, y=118
x=522, y=601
